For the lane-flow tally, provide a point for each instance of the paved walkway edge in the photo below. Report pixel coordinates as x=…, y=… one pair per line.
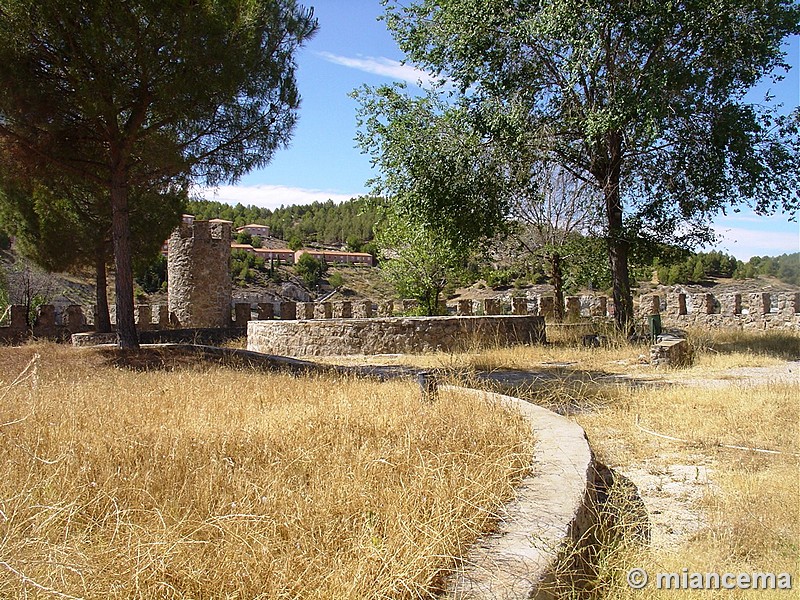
x=550, y=514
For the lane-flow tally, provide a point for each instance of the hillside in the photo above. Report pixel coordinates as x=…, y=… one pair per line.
x=350, y=222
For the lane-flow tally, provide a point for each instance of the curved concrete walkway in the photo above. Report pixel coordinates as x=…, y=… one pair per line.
x=551, y=511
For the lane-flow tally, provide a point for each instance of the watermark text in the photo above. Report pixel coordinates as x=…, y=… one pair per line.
x=688, y=580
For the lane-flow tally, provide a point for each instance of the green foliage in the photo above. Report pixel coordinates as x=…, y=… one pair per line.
x=144, y=98
x=501, y=278
x=696, y=268
x=419, y=262
x=152, y=276
x=295, y=243
x=785, y=267
x=243, y=238
x=643, y=99
x=244, y=266
x=310, y=269
x=336, y=280
x=354, y=244
x=435, y=168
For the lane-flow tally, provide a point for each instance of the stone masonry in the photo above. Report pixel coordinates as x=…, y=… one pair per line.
x=392, y=334
x=199, y=283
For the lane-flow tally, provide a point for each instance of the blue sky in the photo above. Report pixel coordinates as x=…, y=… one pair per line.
x=353, y=48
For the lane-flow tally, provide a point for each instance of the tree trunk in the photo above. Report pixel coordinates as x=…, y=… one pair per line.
x=126, y=325
x=617, y=241
x=102, y=319
x=557, y=281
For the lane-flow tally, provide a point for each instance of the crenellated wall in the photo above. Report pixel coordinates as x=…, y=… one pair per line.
x=761, y=310
x=47, y=323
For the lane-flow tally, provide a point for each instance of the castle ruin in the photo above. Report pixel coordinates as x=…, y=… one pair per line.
x=199, y=281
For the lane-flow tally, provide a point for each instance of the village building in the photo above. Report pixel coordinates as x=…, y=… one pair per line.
x=280, y=255
x=337, y=257
x=261, y=231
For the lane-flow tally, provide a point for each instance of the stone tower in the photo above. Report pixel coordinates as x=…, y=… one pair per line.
x=199, y=281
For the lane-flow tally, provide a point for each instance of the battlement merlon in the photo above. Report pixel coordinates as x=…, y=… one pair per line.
x=204, y=230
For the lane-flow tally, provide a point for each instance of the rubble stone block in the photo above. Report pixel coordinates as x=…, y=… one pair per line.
x=676, y=304
x=464, y=308
x=288, y=311
x=730, y=304
x=599, y=307
x=266, y=311
x=18, y=317
x=651, y=304
x=491, y=306
x=74, y=319
x=163, y=316
x=305, y=310
x=547, y=306
x=671, y=353
x=144, y=317
x=342, y=310
x=323, y=310
x=760, y=303
x=573, y=307
x=46, y=316
x=519, y=306
x=242, y=313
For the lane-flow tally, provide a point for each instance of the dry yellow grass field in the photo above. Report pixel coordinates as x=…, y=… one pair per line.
x=210, y=482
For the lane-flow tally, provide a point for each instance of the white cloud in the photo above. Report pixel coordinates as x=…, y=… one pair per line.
x=744, y=243
x=385, y=67
x=269, y=196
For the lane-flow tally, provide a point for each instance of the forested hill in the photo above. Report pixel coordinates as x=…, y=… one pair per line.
x=322, y=222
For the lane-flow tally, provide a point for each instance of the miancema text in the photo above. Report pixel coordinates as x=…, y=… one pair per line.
x=725, y=581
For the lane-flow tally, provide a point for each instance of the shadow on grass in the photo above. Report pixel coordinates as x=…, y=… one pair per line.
x=171, y=357
x=566, y=391
x=784, y=345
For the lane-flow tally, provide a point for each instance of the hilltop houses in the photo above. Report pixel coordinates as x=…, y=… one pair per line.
x=261, y=231
x=285, y=256
x=337, y=257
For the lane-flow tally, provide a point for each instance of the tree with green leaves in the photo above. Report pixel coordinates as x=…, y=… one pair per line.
x=644, y=99
x=68, y=227
x=419, y=262
x=310, y=269
x=141, y=94
x=439, y=176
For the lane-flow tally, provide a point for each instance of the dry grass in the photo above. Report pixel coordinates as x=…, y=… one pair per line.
x=714, y=353
x=207, y=482
x=750, y=512
x=748, y=519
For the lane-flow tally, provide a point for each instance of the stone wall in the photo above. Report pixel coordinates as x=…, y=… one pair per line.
x=752, y=310
x=199, y=282
x=762, y=310
x=389, y=335
x=47, y=324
